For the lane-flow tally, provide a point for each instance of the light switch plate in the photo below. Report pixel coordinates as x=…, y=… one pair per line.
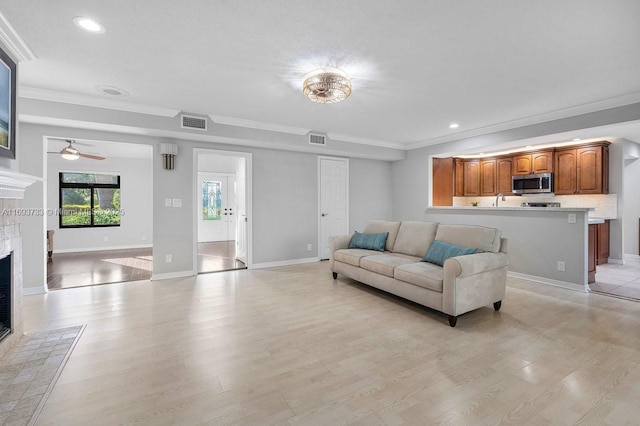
x=572, y=218
x=167, y=202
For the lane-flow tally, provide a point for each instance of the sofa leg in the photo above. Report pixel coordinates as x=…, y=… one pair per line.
x=497, y=305
x=335, y=275
x=453, y=320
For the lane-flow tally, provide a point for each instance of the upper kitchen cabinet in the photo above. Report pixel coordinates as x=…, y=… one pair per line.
x=504, y=171
x=533, y=162
x=471, y=178
x=582, y=170
x=488, y=177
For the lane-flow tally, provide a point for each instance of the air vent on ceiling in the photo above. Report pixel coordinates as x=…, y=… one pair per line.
x=193, y=122
x=316, y=139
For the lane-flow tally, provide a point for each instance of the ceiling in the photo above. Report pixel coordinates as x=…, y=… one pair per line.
x=109, y=150
x=415, y=69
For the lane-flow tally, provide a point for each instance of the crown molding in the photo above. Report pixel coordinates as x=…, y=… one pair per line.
x=365, y=141
x=177, y=135
x=93, y=101
x=259, y=125
x=604, y=104
x=16, y=45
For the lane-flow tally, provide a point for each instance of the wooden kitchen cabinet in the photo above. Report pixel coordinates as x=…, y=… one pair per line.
x=533, y=162
x=582, y=170
x=443, y=181
x=488, y=177
x=592, y=254
x=472, y=178
x=504, y=171
x=458, y=184
x=602, y=243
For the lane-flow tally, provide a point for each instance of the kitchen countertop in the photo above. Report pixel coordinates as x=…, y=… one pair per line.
x=537, y=209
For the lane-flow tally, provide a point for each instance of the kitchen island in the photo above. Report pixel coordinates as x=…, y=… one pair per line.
x=548, y=245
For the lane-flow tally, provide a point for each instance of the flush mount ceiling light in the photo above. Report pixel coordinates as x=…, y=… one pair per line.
x=88, y=24
x=454, y=125
x=326, y=85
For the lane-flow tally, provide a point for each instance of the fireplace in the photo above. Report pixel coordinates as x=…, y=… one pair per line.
x=6, y=281
x=12, y=188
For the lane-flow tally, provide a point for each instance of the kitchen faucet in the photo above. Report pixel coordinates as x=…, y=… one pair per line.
x=498, y=196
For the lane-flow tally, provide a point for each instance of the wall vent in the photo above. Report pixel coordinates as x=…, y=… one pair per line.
x=193, y=122
x=317, y=139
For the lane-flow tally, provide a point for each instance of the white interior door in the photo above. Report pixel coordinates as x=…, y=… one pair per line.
x=334, y=201
x=241, y=210
x=216, y=206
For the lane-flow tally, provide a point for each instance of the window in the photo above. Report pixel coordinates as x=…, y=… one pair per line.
x=89, y=200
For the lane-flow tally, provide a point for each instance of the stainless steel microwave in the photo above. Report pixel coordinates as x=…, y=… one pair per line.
x=532, y=184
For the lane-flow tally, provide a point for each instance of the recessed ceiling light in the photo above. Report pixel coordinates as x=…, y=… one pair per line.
x=112, y=91
x=528, y=147
x=577, y=139
x=454, y=125
x=88, y=24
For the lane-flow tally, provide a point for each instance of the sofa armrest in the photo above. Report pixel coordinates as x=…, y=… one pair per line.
x=462, y=266
x=473, y=281
x=337, y=242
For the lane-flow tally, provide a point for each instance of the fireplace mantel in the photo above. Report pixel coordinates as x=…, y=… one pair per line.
x=13, y=184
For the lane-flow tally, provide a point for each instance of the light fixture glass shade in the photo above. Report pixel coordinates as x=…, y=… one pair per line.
x=327, y=86
x=70, y=153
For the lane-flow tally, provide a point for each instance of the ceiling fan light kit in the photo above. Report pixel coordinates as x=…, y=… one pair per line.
x=327, y=85
x=69, y=152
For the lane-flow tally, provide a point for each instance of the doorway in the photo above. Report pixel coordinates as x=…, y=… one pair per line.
x=333, y=193
x=222, y=218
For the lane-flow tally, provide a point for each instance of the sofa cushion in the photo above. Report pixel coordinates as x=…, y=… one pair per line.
x=369, y=241
x=439, y=251
x=422, y=274
x=385, y=263
x=480, y=237
x=414, y=238
x=380, y=226
x=352, y=256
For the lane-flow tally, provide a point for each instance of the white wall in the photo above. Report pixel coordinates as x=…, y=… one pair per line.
x=369, y=192
x=136, y=199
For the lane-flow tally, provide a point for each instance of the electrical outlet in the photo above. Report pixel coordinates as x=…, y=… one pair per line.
x=144, y=238
x=106, y=239
x=177, y=202
x=561, y=265
x=168, y=258
x=308, y=247
x=572, y=218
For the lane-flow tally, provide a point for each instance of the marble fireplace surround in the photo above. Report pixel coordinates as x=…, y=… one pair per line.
x=12, y=187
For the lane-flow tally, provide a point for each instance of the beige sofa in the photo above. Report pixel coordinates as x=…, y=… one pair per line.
x=462, y=284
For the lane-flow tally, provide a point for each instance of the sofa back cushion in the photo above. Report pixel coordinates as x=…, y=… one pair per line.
x=382, y=226
x=481, y=237
x=414, y=238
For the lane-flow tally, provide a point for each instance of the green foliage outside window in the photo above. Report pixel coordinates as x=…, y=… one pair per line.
x=88, y=199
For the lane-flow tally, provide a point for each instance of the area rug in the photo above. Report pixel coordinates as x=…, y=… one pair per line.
x=29, y=371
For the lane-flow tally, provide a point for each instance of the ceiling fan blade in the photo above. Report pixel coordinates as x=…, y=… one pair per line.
x=93, y=157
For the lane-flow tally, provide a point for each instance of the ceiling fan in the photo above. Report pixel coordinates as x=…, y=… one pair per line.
x=70, y=152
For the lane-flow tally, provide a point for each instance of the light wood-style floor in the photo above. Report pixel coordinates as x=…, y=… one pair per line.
x=65, y=270
x=290, y=345
x=218, y=256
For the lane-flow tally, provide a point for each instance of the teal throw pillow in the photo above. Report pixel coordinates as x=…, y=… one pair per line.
x=439, y=251
x=369, y=241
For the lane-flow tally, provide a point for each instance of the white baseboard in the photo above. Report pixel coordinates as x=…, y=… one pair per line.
x=170, y=275
x=549, y=281
x=80, y=250
x=284, y=263
x=28, y=291
x=616, y=261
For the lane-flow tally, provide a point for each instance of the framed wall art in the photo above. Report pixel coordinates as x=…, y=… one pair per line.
x=7, y=106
